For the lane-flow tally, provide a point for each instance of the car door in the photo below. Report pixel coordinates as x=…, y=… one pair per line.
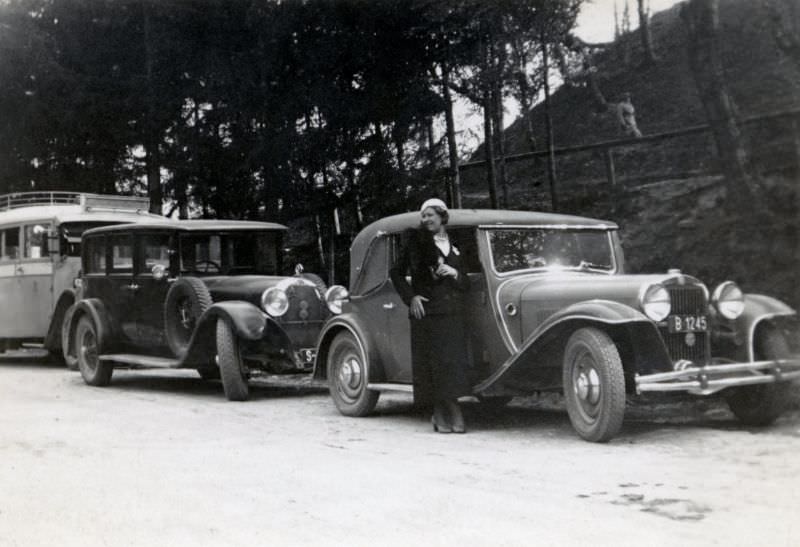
x=384, y=313
x=153, y=249
x=120, y=291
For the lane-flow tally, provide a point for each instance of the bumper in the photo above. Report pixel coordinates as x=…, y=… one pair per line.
x=713, y=378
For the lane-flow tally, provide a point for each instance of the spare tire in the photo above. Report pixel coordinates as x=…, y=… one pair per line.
x=187, y=300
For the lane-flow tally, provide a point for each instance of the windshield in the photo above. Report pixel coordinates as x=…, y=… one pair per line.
x=231, y=253
x=557, y=249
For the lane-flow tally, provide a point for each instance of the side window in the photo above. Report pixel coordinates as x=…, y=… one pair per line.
x=121, y=247
x=375, y=269
x=153, y=251
x=95, y=255
x=10, y=240
x=36, y=240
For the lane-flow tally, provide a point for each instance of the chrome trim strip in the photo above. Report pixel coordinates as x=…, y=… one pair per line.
x=405, y=388
x=598, y=227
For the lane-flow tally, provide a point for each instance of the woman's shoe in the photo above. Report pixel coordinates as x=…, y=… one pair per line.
x=457, y=417
x=440, y=423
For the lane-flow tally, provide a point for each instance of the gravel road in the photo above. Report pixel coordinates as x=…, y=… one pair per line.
x=162, y=459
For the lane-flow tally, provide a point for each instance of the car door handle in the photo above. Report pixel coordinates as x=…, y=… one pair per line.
x=388, y=306
x=131, y=287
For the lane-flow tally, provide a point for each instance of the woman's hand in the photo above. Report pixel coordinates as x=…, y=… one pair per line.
x=417, y=309
x=446, y=271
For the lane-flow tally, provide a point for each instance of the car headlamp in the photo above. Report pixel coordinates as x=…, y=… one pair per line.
x=728, y=299
x=275, y=301
x=655, y=301
x=334, y=297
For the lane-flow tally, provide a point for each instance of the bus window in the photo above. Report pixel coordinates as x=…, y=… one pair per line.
x=71, y=235
x=10, y=244
x=95, y=255
x=36, y=241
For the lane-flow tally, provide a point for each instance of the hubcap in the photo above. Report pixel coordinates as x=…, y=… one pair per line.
x=349, y=375
x=89, y=349
x=587, y=386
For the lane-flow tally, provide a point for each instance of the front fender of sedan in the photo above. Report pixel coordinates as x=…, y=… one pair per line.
x=248, y=322
x=537, y=364
x=347, y=322
x=96, y=310
x=736, y=339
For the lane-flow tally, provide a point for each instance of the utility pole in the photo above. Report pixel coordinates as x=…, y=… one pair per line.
x=551, y=156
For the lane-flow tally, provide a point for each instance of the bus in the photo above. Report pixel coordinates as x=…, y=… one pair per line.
x=40, y=256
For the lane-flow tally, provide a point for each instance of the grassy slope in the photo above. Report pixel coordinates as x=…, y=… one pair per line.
x=679, y=223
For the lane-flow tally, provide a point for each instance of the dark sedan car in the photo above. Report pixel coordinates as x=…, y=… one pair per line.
x=207, y=295
x=551, y=307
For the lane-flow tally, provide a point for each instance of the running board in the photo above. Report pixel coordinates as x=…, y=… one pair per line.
x=32, y=345
x=147, y=361
x=405, y=388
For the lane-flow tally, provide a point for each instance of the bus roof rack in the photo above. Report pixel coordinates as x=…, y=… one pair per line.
x=86, y=201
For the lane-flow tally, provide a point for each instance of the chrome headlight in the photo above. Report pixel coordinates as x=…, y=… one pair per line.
x=728, y=299
x=655, y=302
x=275, y=301
x=334, y=297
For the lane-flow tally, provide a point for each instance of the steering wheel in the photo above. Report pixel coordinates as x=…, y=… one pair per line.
x=207, y=263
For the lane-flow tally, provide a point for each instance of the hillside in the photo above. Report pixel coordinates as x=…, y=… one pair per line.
x=669, y=217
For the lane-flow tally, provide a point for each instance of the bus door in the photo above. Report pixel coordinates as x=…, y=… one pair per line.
x=34, y=276
x=10, y=296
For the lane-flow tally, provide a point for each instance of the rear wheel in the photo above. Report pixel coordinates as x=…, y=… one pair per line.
x=594, y=385
x=347, y=377
x=87, y=348
x=761, y=405
x=67, y=347
x=230, y=363
x=187, y=300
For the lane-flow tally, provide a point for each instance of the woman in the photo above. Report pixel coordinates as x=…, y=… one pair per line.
x=435, y=302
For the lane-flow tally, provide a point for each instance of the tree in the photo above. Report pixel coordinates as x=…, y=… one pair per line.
x=644, y=32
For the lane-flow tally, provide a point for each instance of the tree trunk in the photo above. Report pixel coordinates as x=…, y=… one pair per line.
x=701, y=18
x=645, y=34
x=548, y=121
x=452, y=148
x=152, y=160
x=500, y=144
x=488, y=144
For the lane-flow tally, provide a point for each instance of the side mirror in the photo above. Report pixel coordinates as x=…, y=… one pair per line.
x=159, y=272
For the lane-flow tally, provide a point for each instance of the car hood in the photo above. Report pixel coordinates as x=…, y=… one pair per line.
x=538, y=296
x=247, y=287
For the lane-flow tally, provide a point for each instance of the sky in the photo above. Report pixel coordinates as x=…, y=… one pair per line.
x=595, y=24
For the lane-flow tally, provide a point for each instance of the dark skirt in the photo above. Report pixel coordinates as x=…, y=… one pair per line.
x=439, y=354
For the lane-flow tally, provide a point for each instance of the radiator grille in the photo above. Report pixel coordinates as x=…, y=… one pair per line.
x=687, y=300
x=304, y=304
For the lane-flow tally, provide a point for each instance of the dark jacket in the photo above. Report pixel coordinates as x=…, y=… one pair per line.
x=420, y=258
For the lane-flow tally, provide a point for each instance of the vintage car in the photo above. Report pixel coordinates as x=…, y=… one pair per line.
x=551, y=307
x=40, y=234
x=198, y=294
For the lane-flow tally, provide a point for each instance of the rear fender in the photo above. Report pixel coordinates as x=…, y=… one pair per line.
x=347, y=322
x=636, y=337
x=96, y=310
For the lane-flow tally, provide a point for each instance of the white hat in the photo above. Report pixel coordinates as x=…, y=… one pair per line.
x=433, y=202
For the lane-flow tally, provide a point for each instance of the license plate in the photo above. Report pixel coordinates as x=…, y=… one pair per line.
x=687, y=323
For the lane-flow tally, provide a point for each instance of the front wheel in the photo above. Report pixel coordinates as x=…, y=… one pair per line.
x=230, y=363
x=87, y=347
x=347, y=377
x=761, y=405
x=594, y=385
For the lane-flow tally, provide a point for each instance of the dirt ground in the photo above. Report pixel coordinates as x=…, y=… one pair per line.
x=162, y=459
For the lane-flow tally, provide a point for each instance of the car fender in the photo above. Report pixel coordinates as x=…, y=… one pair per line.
x=94, y=308
x=248, y=322
x=53, y=341
x=758, y=309
x=622, y=322
x=347, y=322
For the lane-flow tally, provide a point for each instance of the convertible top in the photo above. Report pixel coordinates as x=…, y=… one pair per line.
x=470, y=217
